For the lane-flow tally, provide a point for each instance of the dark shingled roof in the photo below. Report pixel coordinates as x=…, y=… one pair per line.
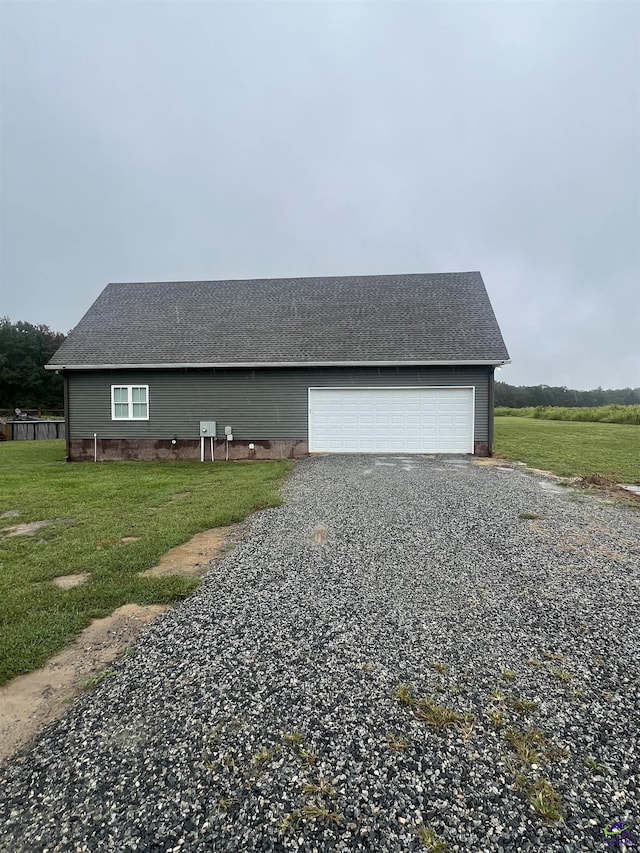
x=390, y=318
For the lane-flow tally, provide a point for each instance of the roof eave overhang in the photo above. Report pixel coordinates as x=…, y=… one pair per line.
x=252, y=364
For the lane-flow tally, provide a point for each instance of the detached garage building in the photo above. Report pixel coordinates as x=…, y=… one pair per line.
x=357, y=364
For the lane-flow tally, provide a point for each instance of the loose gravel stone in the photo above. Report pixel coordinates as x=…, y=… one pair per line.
x=264, y=713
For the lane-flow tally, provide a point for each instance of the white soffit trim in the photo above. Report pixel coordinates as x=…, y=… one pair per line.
x=252, y=364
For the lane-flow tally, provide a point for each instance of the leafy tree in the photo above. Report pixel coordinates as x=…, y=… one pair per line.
x=24, y=350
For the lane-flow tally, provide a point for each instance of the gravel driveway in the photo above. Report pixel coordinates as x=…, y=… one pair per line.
x=279, y=707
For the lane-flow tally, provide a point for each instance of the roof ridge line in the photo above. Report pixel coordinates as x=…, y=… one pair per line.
x=299, y=278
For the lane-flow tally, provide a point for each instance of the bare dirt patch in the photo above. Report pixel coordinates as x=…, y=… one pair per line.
x=613, y=490
x=69, y=581
x=29, y=702
x=193, y=557
x=30, y=528
x=500, y=462
x=127, y=540
x=11, y=513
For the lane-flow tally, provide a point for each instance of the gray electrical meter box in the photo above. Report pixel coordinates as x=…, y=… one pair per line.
x=208, y=428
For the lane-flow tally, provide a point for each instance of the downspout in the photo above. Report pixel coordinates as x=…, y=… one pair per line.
x=67, y=436
x=491, y=407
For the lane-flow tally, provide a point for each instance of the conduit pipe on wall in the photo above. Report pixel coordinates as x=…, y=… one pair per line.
x=95, y=447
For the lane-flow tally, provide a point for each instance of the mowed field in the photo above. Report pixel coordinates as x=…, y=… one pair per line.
x=110, y=521
x=571, y=448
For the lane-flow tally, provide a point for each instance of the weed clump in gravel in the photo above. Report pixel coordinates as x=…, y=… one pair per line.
x=265, y=754
x=437, y=717
x=397, y=743
x=404, y=694
x=293, y=738
x=561, y=674
x=317, y=811
x=529, y=516
x=522, y=706
x=307, y=756
x=526, y=744
x=529, y=745
x=296, y=741
x=496, y=717
x=552, y=656
x=545, y=801
x=310, y=812
x=429, y=839
x=322, y=787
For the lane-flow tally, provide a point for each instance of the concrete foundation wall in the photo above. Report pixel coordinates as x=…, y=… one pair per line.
x=141, y=449
x=149, y=450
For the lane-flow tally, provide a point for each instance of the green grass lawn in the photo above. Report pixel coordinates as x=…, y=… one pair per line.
x=96, y=506
x=571, y=448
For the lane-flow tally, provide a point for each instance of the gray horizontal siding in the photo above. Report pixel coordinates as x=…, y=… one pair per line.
x=262, y=404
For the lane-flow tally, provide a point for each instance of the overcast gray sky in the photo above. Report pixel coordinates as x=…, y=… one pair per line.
x=148, y=140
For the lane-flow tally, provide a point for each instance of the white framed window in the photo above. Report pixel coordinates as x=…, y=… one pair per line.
x=129, y=402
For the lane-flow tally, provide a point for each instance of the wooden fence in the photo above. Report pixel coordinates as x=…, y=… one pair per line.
x=32, y=430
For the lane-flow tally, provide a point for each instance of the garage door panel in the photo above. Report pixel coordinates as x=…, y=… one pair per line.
x=378, y=420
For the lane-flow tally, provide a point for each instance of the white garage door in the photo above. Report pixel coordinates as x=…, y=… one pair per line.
x=391, y=420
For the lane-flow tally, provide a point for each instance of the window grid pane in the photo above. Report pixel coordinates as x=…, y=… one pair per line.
x=130, y=402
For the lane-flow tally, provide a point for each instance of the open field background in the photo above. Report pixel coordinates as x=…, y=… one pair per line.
x=90, y=510
x=571, y=448
x=611, y=414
